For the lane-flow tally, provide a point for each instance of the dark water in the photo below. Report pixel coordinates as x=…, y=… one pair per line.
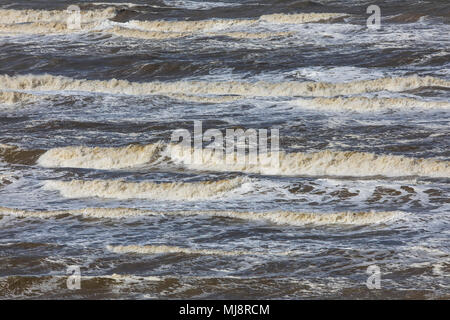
x=367, y=181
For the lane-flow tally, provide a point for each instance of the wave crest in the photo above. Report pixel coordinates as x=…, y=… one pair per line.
x=322, y=163
x=293, y=88
x=149, y=249
x=100, y=158
x=10, y=97
x=369, y=104
x=299, y=18
x=275, y=217
x=118, y=189
x=12, y=16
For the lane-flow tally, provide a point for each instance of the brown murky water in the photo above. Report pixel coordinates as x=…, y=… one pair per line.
x=89, y=178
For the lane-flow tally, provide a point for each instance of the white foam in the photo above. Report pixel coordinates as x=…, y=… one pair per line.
x=117, y=189
x=322, y=163
x=44, y=28
x=300, y=18
x=293, y=88
x=292, y=218
x=11, y=97
x=100, y=158
x=363, y=104
x=220, y=24
x=140, y=34
x=10, y=16
x=159, y=35
x=162, y=249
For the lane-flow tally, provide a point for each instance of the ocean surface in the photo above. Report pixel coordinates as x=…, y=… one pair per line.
x=89, y=178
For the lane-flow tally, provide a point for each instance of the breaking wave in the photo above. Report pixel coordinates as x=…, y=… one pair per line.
x=52, y=21
x=140, y=34
x=149, y=249
x=369, y=104
x=304, y=218
x=43, y=28
x=117, y=189
x=275, y=217
x=189, y=26
x=220, y=24
x=10, y=97
x=301, y=17
x=55, y=21
x=100, y=158
x=11, y=16
x=159, y=35
x=322, y=163
x=293, y=88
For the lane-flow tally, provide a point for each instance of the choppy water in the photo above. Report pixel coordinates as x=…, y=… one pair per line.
x=87, y=176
